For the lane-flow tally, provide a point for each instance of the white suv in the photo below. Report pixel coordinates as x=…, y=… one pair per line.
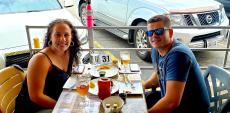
x=182, y=13
x=16, y=14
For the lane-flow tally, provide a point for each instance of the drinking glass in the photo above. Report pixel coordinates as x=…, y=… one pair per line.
x=94, y=58
x=125, y=59
x=83, y=88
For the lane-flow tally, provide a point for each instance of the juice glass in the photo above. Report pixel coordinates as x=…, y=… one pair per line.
x=83, y=88
x=125, y=59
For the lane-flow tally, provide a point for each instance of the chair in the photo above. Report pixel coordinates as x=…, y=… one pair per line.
x=10, y=85
x=218, y=83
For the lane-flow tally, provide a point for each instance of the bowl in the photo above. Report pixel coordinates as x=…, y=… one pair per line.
x=113, y=100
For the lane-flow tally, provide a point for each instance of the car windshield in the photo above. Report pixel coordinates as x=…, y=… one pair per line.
x=20, y=6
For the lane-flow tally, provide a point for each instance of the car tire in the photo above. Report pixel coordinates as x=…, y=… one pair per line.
x=141, y=41
x=82, y=13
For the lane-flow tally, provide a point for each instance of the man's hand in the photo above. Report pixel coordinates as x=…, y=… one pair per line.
x=152, y=82
x=172, y=98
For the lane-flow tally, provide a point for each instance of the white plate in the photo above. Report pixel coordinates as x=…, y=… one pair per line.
x=94, y=90
x=129, y=90
x=109, y=72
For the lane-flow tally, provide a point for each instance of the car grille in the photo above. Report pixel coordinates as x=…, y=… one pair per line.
x=188, y=20
x=201, y=19
x=206, y=36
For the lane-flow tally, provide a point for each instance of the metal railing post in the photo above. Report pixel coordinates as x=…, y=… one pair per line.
x=29, y=41
x=90, y=39
x=89, y=24
x=226, y=52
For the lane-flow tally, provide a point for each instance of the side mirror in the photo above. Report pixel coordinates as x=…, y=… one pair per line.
x=68, y=3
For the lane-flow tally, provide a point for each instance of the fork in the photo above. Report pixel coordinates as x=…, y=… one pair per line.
x=130, y=81
x=125, y=79
x=132, y=86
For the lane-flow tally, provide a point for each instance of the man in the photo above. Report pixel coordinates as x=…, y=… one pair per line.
x=176, y=71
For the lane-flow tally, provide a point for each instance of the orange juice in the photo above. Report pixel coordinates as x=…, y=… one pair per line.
x=125, y=57
x=82, y=90
x=125, y=61
x=36, y=42
x=114, y=61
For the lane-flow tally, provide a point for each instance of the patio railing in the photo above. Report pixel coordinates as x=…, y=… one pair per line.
x=92, y=48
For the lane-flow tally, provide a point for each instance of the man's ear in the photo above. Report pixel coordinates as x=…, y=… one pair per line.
x=170, y=32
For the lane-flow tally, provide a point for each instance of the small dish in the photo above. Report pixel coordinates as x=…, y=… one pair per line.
x=109, y=70
x=112, y=100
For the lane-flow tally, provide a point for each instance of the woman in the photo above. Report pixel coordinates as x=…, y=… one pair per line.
x=49, y=69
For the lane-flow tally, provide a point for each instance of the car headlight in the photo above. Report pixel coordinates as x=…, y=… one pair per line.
x=222, y=14
x=177, y=20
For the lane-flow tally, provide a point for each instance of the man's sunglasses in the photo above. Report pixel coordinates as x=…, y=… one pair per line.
x=158, y=32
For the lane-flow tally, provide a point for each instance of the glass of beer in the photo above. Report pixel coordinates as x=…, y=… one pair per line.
x=125, y=59
x=83, y=88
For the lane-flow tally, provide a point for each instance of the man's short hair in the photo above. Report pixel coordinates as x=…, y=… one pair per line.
x=158, y=18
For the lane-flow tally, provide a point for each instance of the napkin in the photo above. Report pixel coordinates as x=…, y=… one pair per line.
x=123, y=87
x=134, y=77
x=70, y=83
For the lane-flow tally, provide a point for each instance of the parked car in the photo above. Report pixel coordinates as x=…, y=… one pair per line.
x=181, y=13
x=16, y=14
x=226, y=4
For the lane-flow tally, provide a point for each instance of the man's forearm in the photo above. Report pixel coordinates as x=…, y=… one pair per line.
x=172, y=98
x=163, y=106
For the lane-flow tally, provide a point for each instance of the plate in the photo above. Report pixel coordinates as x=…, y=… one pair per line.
x=110, y=70
x=94, y=90
x=127, y=88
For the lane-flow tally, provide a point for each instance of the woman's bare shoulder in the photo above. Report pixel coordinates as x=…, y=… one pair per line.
x=40, y=58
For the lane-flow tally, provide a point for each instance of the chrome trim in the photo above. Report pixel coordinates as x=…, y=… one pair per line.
x=201, y=44
x=197, y=21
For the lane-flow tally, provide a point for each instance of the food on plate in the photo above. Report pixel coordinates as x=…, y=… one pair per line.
x=127, y=92
x=103, y=67
x=92, y=84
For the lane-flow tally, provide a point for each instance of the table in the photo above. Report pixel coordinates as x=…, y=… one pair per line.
x=69, y=100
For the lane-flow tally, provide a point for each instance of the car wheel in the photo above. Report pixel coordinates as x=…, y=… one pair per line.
x=83, y=13
x=141, y=41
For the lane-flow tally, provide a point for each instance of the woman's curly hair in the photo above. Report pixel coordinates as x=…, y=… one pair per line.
x=75, y=49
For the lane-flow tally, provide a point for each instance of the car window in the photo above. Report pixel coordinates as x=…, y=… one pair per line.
x=20, y=6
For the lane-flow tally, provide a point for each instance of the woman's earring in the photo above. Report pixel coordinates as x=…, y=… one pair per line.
x=50, y=43
x=72, y=44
